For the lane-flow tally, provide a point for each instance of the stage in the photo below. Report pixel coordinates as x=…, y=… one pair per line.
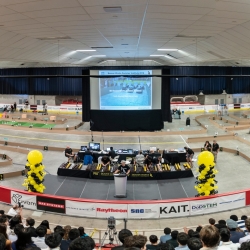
x=105, y=189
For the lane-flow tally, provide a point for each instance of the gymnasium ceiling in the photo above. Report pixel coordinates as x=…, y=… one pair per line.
x=48, y=33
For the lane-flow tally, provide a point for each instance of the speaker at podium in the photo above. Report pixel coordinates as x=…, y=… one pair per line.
x=120, y=185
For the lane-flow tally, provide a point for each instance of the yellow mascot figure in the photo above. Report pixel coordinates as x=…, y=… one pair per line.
x=205, y=181
x=36, y=173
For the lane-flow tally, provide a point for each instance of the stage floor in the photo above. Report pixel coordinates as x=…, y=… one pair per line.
x=105, y=189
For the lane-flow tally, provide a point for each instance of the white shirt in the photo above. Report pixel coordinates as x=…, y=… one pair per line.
x=12, y=236
x=244, y=239
x=229, y=245
x=12, y=212
x=39, y=242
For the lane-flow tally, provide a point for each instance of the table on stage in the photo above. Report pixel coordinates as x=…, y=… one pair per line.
x=174, y=157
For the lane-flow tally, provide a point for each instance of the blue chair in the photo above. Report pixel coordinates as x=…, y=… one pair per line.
x=87, y=159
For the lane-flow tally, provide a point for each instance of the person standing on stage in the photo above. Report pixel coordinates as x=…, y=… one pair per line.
x=215, y=149
x=105, y=161
x=207, y=146
x=14, y=106
x=189, y=155
x=112, y=153
x=123, y=168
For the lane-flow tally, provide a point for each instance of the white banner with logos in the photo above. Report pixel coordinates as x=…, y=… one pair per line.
x=143, y=211
x=106, y=210
x=204, y=206
x=232, y=201
x=80, y=208
x=174, y=209
x=27, y=201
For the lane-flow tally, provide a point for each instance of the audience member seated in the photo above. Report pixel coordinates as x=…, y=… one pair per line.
x=245, y=246
x=210, y=237
x=136, y=241
x=241, y=223
x=154, y=242
x=3, y=231
x=23, y=240
x=122, y=235
x=39, y=241
x=105, y=161
x=73, y=234
x=82, y=233
x=173, y=241
x=221, y=224
x=13, y=222
x=85, y=243
x=246, y=238
x=30, y=224
x=69, y=153
x=2, y=212
x=53, y=241
x=165, y=246
x=139, y=159
x=235, y=235
x=208, y=146
x=14, y=232
x=225, y=241
x=66, y=232
x=167, y=235
x=2, y=242
x=15, y=210
x=46, y=224
x=211, y=221
x=194, y=244
x=60, y=230
x=182, y=240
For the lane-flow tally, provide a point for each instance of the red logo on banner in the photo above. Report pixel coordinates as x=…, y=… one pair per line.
x=46, y=204
x=111, y=210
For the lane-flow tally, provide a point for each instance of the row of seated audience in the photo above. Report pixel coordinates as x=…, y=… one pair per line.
x=19, y=234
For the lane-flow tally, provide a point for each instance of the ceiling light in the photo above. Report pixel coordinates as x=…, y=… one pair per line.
x=168, y=49
x=113, y=9
x=111, y=60
x=86, y=58
x=157, y=55
x=85, y=50
x=98, y=55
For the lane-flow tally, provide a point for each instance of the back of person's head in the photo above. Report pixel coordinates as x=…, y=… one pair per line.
x=23, y=239
x=53, y=240
x=111, y=148
x=123, y=234
x=74, y=233
x=58, y=227
x=18, y=228
x=196, y=234
x=3, y=230
x=85, y=243
x=185, y=147
x=222, y=222
x=243, y=217
x=153, y=239
x=224, y=234
x=30, y=222
x=2, y=242
x=194, y=244
x=234, y=217
x=1, y=212
x=3, y=219
x=182, y=238
x=45, y=223
x=81, y=231
x=33, y=248
x=211, y=221
x=244, y=246
x=138, y=241
x=13, y=222
x=210, y=236
x=18, y=216
x=174, y=234
x=41, y=231
x=67, y=228
x=165, y=246
x=190, y=233
x=198, y=229
x=167, y=230
x=247, y=224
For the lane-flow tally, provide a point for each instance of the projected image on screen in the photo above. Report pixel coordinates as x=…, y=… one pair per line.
x=125, y=92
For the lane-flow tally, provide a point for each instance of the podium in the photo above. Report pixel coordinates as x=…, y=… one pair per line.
x=120, y=185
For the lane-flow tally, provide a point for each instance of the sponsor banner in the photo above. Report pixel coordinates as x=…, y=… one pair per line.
x=50, y=204
x=232, y=201
x=27, y=201
x=80, y=208
x=204, y=206
x=106, y=210
x=174, y=209
x=143, y=211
